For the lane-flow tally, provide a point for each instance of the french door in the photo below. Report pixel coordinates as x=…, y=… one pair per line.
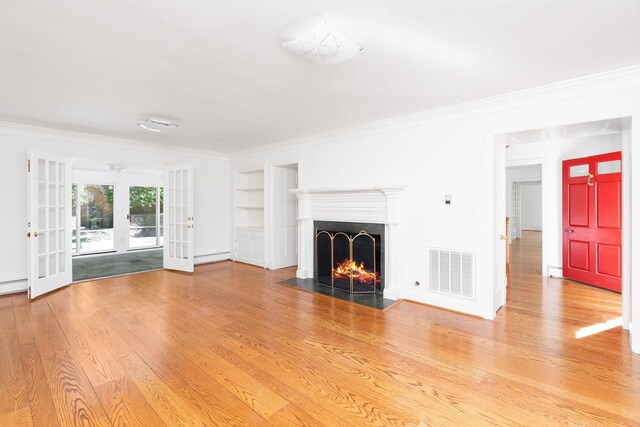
x=592, y=220
x=49, y=222
x=178, y=215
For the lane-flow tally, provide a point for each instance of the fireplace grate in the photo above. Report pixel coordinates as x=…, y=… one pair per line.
x=451, y=272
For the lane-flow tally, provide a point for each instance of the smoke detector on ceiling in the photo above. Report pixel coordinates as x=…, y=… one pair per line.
x=155, y=125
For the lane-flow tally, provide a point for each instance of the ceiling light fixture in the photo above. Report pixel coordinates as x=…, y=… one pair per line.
x=155, y=125
x=117, y=167
x=323, y=44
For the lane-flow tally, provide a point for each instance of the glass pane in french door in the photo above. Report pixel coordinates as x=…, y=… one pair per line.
x=96, y=218
x=51, y=219
x=161, y=217
x=74, y=218
x=143, y=217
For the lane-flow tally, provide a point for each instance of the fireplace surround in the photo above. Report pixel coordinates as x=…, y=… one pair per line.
x=367, y=205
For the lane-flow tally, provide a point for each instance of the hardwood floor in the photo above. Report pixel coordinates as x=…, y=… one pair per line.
x=227, y=345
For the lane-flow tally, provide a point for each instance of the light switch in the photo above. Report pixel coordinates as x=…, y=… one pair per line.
x=447, y=199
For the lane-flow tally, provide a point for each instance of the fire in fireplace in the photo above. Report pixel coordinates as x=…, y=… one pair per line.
x=349, y=260
x=349, y=269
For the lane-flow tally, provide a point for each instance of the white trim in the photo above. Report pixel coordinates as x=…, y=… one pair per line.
x=627, y=153
x=440, y=300
x=634, y=239
x=14, y=286
x=52, y=134
x=20, y=285
x=213, y=257
x=554, y=271
x=564, y=90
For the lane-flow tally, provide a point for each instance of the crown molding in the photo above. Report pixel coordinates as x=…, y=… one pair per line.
x=17, y=129
x=564, y=90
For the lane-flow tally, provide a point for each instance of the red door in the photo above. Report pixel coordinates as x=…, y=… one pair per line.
x=592, y=220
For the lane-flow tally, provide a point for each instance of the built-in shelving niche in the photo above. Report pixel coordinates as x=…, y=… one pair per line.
x=249, y=217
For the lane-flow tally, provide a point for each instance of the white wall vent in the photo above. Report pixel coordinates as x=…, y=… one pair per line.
x=452, y=272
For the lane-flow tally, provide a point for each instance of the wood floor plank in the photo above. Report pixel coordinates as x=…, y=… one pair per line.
x=43, y=411
x=14, y=409
x=72, y=394
x=125, y=405
x=208, y=398
x=229, y=346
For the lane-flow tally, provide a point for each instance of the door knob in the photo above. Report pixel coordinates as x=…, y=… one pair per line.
x=503, y=237
x=568, y=230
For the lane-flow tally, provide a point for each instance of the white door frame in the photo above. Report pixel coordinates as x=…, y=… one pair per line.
x=272, y=221
x=122, y=183
x=492, y=141
x=269, y=169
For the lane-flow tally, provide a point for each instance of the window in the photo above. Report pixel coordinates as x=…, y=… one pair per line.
x=92, y=211
x=145, y=217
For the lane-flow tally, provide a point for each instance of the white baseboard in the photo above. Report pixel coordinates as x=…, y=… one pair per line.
x=13, y=287
x=392, y=294
x=303, y=274
x=554, y=271
x=461, y=305
x=207, y=258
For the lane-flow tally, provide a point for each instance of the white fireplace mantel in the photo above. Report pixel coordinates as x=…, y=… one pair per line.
x=380, y=204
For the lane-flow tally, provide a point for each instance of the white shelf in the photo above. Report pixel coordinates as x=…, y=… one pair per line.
x=249, y=217
x=250, y=207
x=250, y=228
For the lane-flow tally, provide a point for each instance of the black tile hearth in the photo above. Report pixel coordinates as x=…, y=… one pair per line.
x=369, y=300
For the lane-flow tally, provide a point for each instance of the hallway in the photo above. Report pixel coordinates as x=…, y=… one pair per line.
x=529, y=290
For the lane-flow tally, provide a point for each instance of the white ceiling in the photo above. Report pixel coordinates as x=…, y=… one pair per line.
x=218, y=69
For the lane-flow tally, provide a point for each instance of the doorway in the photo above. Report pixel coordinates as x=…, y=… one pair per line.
x=524, y=210
x=117, y=220
x=51, y=220
x=550, y=147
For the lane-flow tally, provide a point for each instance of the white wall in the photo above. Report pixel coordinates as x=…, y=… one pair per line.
x=450, y=151
x=211, y=188
x=531, y=206
x=553, y=152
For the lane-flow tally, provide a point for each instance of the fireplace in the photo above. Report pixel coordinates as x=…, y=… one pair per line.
x=359, y=208
x=349, y=256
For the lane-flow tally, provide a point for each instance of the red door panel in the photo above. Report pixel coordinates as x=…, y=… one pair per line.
x=579, y=254
x=592, y=220
x=609, y=204
x=610, y=258
x=579, y=200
